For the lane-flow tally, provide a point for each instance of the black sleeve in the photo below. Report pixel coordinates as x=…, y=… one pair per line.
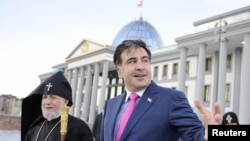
x=78, y=130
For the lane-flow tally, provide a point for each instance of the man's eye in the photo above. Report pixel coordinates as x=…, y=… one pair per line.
x=53, y=97
x=132, y=61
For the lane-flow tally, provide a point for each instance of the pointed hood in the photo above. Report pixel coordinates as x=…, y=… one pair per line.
x=56, y=84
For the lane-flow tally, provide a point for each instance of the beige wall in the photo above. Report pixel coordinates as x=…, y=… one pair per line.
x=10, y=122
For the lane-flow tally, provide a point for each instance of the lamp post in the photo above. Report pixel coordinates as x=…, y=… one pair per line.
x=220, y=30
x=222, y=41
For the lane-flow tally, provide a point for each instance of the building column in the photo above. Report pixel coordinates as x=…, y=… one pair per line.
x=87, y=94
x=222, y=74
x=79, y=93
x=69, y=75
x=199, y=86
x=244, y=115
x=215, y=77
x=182, y=70
x=74, y=88
x=92, y=113
x=237, y=69
x=103, y=86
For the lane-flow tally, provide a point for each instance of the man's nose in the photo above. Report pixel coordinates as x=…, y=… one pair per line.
x=47, y=100
x=140, y=65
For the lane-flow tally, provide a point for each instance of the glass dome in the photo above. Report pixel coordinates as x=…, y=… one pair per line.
x=139, y=29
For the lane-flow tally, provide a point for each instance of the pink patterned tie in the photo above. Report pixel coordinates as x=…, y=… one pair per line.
x=126, y=115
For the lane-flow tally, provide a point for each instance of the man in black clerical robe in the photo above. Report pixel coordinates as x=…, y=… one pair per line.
x=41, y=120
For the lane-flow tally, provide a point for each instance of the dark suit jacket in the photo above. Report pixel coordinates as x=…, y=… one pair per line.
x=96, y=129
x=162, y=114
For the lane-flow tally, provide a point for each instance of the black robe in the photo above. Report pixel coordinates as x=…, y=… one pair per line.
x=77, y=130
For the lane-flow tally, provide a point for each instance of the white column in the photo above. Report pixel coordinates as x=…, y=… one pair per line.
x=92, y=113
x=79, y=93
x=222, y=74
x=87, y=94
x=244, y=116
x=215, y=81
x=199, y=87
x=69, y=75
x=104, y=86
x=237, y=69
x=182, y=70
x=74, y=88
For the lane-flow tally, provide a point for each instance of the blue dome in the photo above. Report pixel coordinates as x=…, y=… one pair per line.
x=139, y=29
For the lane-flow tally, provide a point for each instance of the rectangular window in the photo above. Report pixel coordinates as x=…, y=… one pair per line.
x=84, y=81
x=175, y=69
x=187, y=67
x=227, y=94
x=208, y=65
x=186, y=90
x=155, y=71
x=229, y=62
x=207, y=93
x=165, y=70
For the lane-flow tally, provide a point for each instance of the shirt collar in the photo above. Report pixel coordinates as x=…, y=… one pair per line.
x=139, y=93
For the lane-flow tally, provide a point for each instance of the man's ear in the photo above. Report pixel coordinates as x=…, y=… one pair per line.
x=119, y=71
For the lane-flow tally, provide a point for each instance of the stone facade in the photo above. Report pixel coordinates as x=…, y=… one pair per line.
x=10, y=105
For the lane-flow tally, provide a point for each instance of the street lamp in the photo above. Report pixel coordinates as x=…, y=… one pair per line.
x=220, y=29
x=221, y=40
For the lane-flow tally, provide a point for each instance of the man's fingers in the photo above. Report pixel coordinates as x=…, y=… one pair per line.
x=197, y=103
x=217, y=112
x=216, y=108
x=200, y=106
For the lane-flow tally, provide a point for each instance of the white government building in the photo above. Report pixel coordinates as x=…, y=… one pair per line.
x=212, y=64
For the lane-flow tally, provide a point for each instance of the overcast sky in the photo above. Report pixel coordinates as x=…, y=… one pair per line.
x=38, y=34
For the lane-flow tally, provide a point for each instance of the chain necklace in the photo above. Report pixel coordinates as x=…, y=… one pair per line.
x=49, y=131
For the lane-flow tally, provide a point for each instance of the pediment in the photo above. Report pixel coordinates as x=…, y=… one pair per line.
x=85, y=47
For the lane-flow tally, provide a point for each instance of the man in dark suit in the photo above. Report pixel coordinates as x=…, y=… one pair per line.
x=96, y=129
x=161, y=114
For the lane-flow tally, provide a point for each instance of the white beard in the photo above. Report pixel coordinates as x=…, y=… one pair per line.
x=51, y=116
x=54, y=114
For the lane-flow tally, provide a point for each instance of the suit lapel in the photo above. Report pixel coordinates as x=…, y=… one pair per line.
x=115, y=105
x=146, y=101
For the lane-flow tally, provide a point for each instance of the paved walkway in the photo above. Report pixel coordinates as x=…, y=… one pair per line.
x=10, y=135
